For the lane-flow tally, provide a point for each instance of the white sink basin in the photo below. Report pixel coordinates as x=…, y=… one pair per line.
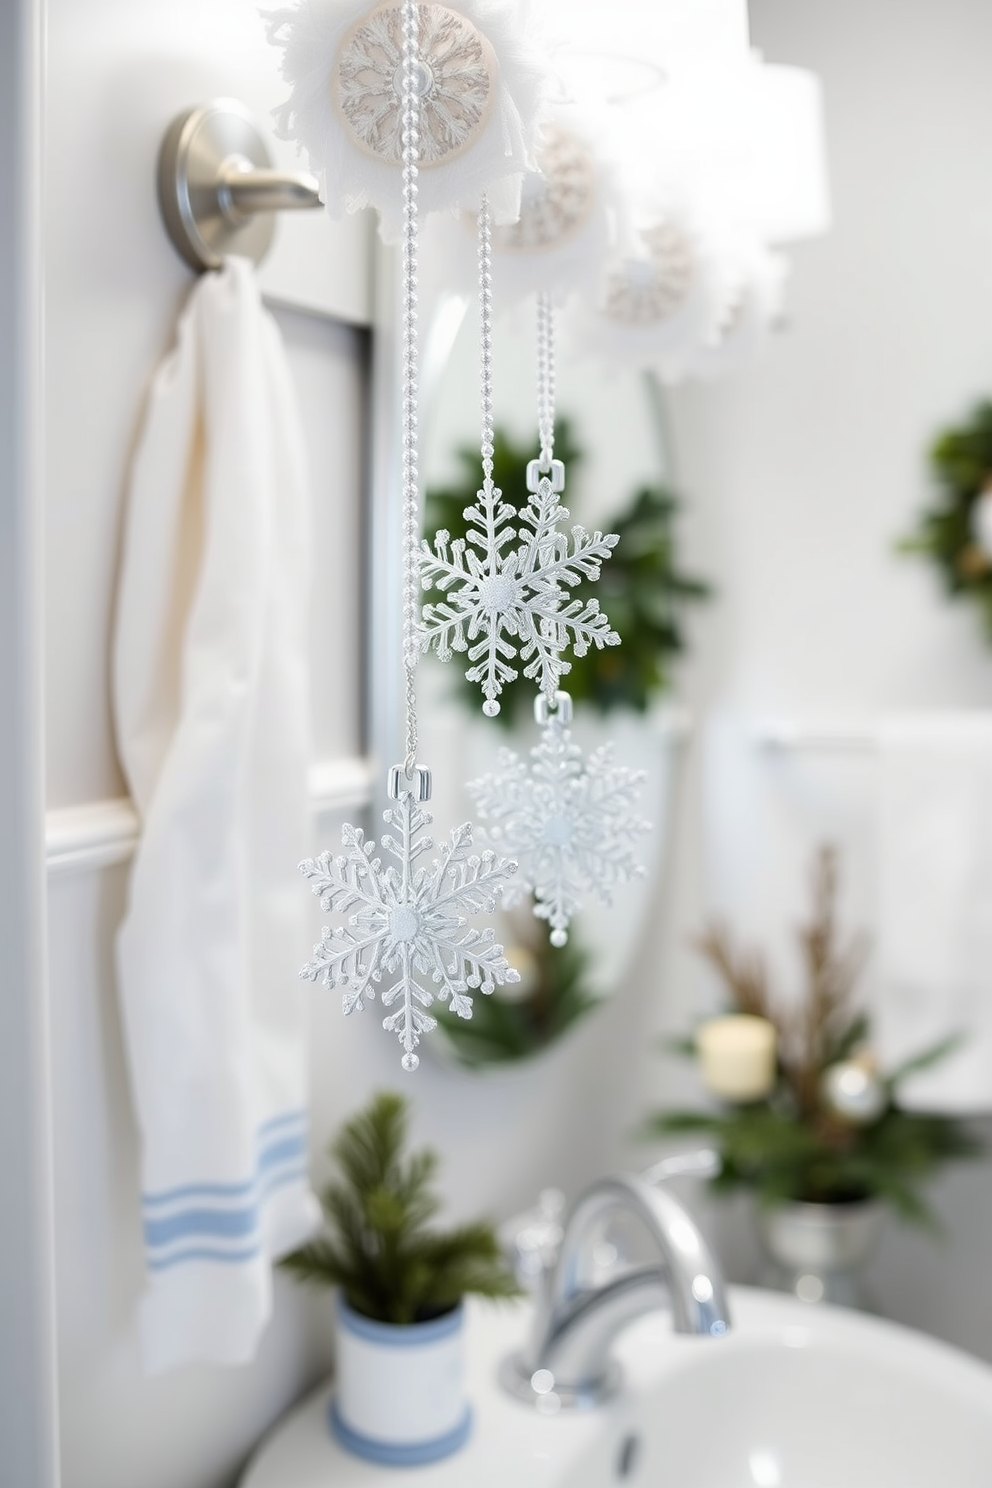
x=794, y=1397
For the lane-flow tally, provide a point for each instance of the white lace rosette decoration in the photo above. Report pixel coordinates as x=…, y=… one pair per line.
x=756, y=278
x=571, y=822
x=480, y=79
x=561, y=241
x=660, y=303
x=407, y=922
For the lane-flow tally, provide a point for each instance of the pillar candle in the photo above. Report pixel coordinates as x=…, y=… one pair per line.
x=737, y=1055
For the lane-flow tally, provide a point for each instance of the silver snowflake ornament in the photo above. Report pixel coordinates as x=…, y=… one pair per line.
x=570, y=821
x=506, y=590
x=408, y=923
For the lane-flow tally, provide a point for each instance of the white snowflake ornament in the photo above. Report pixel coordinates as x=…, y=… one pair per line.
x=506, y=589
x=571, y=822
x=407, y=921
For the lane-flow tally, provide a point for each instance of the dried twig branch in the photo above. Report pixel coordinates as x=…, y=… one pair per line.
x=744, y=972
x=810, y=1032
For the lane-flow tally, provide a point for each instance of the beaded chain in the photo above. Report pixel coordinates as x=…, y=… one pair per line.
x=546, y=378
x=410, y=490
x=486, y=338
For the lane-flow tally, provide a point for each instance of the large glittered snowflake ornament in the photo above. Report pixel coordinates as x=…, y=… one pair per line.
x=571, y=822
x=408, y=923
x=506, y=590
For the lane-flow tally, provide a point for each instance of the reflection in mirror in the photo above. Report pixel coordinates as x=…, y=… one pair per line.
x=623, y=694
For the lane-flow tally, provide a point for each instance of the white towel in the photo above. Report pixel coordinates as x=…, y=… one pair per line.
x=935, y=923
x=212, y=716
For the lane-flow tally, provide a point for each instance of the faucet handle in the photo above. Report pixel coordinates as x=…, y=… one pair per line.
x=532, y=1239
x=704, y=1163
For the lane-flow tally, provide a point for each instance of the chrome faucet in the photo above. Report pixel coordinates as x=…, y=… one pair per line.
x=566, y=1363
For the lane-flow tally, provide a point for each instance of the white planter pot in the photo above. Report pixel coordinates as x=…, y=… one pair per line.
x=400, y=1395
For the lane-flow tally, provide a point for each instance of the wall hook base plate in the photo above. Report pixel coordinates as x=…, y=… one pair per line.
x=217, y=191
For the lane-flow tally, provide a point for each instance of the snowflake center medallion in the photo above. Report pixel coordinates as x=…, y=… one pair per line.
x=404, y=923
x=498, y=593
x=558, y=831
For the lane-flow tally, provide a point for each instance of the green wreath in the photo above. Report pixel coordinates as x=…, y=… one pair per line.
x=961, y=461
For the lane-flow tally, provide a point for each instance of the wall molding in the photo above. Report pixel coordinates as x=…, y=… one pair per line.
x=100, y=834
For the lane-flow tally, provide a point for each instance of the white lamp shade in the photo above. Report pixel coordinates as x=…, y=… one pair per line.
x=749, y=138
x=788, y=190
x=655, y=30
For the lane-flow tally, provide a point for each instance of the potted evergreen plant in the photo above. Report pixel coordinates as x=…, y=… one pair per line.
x=806, y=1120
x=400, y=1393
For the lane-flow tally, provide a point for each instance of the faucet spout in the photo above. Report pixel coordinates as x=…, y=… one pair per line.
x=567, y=1355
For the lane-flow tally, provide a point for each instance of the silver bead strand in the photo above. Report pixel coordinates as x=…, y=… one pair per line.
x=546, y=378
x=490, y=707
x=410, y=105
x=486, y=337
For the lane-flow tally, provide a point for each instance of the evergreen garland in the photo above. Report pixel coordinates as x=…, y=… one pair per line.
x=961, y=461
x=379, y=1247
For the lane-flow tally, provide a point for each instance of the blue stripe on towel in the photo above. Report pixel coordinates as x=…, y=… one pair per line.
x=227, y=1224
x=204, y=1253
x=216, y=1224
x=286, y=1150
x=289, y=1118
x=221, y=1221
x=267, y=1157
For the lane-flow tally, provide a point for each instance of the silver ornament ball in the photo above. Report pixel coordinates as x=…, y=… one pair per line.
x=853, y=1092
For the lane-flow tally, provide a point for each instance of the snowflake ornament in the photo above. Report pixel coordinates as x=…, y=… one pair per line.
x=407, y=921
x=571, y=822
x=506, y=589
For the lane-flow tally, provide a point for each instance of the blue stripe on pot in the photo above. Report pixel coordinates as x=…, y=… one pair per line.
x=398, y=1454
x=399, y=1335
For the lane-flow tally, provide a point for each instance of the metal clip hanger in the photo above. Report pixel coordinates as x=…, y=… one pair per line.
x=217, y=191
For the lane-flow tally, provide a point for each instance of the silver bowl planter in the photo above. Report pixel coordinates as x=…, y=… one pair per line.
x=818, y=1251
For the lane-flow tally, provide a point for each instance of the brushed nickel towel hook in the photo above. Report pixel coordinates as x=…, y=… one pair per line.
x=217, y=191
